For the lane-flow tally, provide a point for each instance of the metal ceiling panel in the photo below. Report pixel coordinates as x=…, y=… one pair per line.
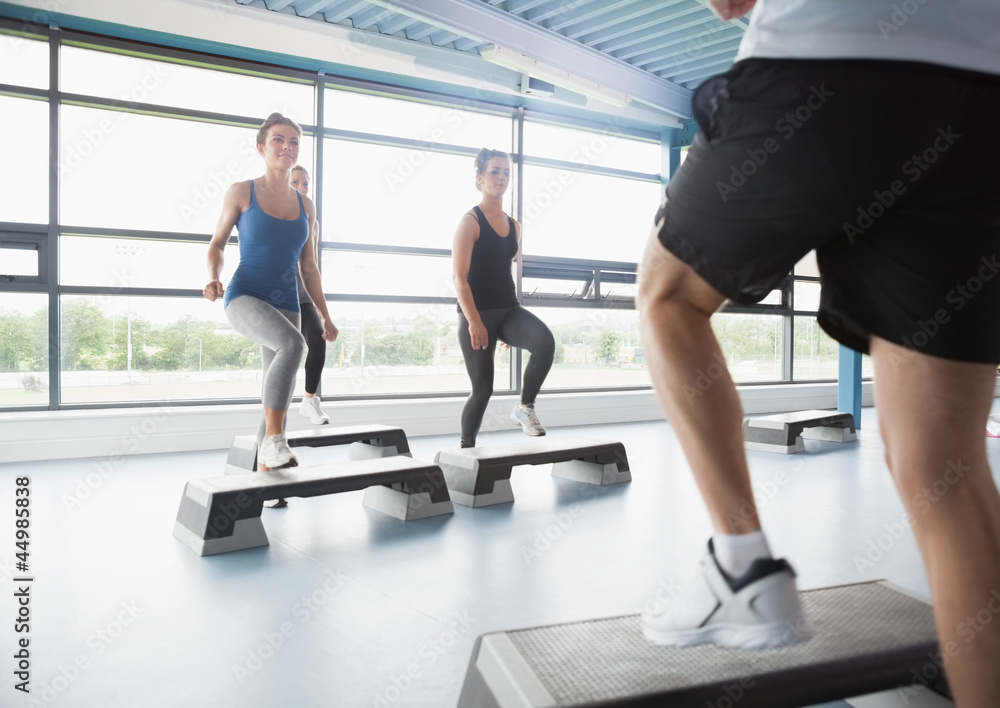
x=656, y=51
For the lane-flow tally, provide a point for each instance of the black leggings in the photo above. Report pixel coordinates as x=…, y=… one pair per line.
x=312, y=330
x=518, y=328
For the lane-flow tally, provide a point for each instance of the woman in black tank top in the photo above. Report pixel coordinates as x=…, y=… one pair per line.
x=486, y=243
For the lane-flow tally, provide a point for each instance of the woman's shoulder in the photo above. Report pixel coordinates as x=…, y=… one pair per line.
x=517, y=227
x=239, y=193
x=308, y=205
x=242, y=187
x=473, y=217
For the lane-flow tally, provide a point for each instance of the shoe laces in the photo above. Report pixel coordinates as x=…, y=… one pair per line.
x=530, y=414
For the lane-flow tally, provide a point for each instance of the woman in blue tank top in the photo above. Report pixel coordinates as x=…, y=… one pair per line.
x=277, y=241
x=486, y=242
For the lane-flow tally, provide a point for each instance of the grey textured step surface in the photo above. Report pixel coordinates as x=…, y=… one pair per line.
x=869, y=637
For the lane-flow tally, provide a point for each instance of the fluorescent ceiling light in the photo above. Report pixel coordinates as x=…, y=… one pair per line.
x=524, y=64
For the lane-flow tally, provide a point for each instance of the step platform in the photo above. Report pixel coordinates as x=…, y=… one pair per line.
x=869, y=637
x=366, y=441
x=480, y=476
x=222, y=514
x=783, y=432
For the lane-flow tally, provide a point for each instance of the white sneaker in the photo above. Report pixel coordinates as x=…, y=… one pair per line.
x=525, y=417
x=311, y=410
x=275, y=454
x=758, y=610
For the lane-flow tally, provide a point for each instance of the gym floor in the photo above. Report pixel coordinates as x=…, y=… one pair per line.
x=350, y=608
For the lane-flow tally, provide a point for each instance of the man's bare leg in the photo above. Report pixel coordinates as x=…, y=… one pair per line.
x=679, y=344
x=932, y=415
x=740, y=597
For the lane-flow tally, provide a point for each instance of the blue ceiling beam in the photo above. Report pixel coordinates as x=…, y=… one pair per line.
x=477, y=20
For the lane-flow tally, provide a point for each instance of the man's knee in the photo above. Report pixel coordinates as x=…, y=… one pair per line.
x=665, y=280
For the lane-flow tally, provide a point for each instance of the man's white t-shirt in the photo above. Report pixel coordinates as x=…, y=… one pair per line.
x=958, y=33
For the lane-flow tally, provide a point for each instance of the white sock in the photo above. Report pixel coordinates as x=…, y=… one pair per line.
x=735, y=553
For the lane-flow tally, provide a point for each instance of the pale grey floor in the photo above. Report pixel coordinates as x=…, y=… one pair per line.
x=349, y=608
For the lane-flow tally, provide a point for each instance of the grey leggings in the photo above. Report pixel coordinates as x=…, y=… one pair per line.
x=519, y=328
x=281, y=348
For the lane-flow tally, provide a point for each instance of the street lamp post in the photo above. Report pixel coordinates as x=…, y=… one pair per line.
x=129, y=250
x=363, y=271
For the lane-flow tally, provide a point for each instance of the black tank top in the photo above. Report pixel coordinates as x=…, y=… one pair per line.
x=490, y=278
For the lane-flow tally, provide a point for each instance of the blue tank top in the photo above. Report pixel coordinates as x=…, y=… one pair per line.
x=269, y=256
x=490, y=279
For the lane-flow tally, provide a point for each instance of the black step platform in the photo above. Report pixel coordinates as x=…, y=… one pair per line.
x=783, y=432
x=480, y=476
x=869, y=637
x=366, y=441
x=222, y=514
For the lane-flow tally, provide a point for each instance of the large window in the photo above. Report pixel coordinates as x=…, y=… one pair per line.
x=569, y=213
x=149, y=141
x=591, y=147
x=130, y=80
x=595, y=348
x=24, y=183
x=24, y=61
x=402, y=197
x=24, y=349
x=125, y=348
x=454, y=124
x=128, y=171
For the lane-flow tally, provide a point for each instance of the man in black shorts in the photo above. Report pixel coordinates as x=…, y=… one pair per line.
x=866, y=131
